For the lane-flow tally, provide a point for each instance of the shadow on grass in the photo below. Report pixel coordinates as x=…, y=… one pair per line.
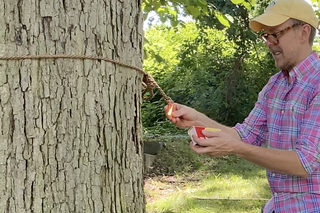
x=235, y=165
x=178, y=158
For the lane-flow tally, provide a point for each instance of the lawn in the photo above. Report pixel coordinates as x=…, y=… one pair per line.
x=184, y=182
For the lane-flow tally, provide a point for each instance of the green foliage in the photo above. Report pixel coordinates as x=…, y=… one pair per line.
x=206, y=70
x=163, y=46
x=220, y=85
x=217, y=70
x=316, y=44
x=169, y=10
x=165, y=43
x=316, y=4
x=259, y=7
x=210, y=10
x=246, y=3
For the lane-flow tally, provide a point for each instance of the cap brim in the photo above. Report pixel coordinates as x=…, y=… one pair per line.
x=267, y=19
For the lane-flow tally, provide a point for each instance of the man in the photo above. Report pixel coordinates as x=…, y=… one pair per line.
x=282, y=132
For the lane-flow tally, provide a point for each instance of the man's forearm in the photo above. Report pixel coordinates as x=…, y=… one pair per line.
x=280, y=161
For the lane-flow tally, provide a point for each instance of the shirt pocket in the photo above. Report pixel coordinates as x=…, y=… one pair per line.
x=296, y=110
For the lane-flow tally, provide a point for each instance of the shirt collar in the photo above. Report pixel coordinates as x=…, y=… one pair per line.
x=302, y=68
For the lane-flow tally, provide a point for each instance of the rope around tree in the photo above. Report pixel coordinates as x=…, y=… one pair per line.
x=149, y=83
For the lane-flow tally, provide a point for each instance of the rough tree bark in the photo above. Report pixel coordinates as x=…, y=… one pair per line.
x=70, y=129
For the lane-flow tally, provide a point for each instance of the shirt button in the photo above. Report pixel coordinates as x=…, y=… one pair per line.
x=279, y=132
x=273, y=174
x=275, y=194
x=282, y=111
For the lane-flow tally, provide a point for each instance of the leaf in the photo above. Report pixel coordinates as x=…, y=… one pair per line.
x=185, y=2
x=163, y=2
x=202, y=3
x=156, y=5
x=230, y=18
x=222, y=18
x=247, y=5
x=146, y=8
x=162, y=10
x=205, y=11
x=173, y=12
x=237, y=1
x=145, y=16
x=145, y=54
x=174, y=22
x=163, y=18
x=159, y=58
x=252, y=2
x=195, y=12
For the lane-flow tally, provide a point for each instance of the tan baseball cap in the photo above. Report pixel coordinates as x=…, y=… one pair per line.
x=280, y=11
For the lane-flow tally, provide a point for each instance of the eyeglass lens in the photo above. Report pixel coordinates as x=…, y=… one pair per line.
x=270, y=38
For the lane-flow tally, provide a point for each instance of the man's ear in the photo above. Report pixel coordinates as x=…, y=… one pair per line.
x=305, y=33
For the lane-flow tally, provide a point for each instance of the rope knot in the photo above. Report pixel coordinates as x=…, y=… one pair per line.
x=150, y=85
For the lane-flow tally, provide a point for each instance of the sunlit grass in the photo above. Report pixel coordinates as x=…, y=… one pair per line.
x=215, y=194
x=218, y=185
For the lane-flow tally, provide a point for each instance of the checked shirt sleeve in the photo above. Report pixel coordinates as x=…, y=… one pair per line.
x=308, y=142
x=254, y=128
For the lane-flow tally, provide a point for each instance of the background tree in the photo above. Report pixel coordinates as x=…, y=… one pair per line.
x=170, y=10
x=219, y=70
x=219, y=75
x=70, y=129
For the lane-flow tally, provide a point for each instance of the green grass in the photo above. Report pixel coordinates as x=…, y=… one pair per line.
x=203, y=184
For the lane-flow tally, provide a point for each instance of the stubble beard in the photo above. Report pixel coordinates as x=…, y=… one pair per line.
x=284, y=63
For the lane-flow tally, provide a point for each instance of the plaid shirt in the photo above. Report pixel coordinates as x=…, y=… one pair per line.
x=287, y=116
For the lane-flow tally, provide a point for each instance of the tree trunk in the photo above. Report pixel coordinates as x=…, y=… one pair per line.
x=70, y=129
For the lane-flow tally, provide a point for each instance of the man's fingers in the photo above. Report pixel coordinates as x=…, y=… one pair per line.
x=199, y=149
x=202, y=142
x=211, y=133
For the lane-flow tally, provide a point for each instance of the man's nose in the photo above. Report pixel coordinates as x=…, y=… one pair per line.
x=269, y=43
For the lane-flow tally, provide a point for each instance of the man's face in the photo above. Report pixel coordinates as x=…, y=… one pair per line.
x=285, y=49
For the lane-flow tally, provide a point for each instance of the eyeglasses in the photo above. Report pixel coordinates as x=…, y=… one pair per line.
x=273, y=38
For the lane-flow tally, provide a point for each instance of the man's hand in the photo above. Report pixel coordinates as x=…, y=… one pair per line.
x=218, y=143
x=182, y=116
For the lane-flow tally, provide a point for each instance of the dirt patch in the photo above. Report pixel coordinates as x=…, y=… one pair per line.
x=160, y=186
x=172, y=170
